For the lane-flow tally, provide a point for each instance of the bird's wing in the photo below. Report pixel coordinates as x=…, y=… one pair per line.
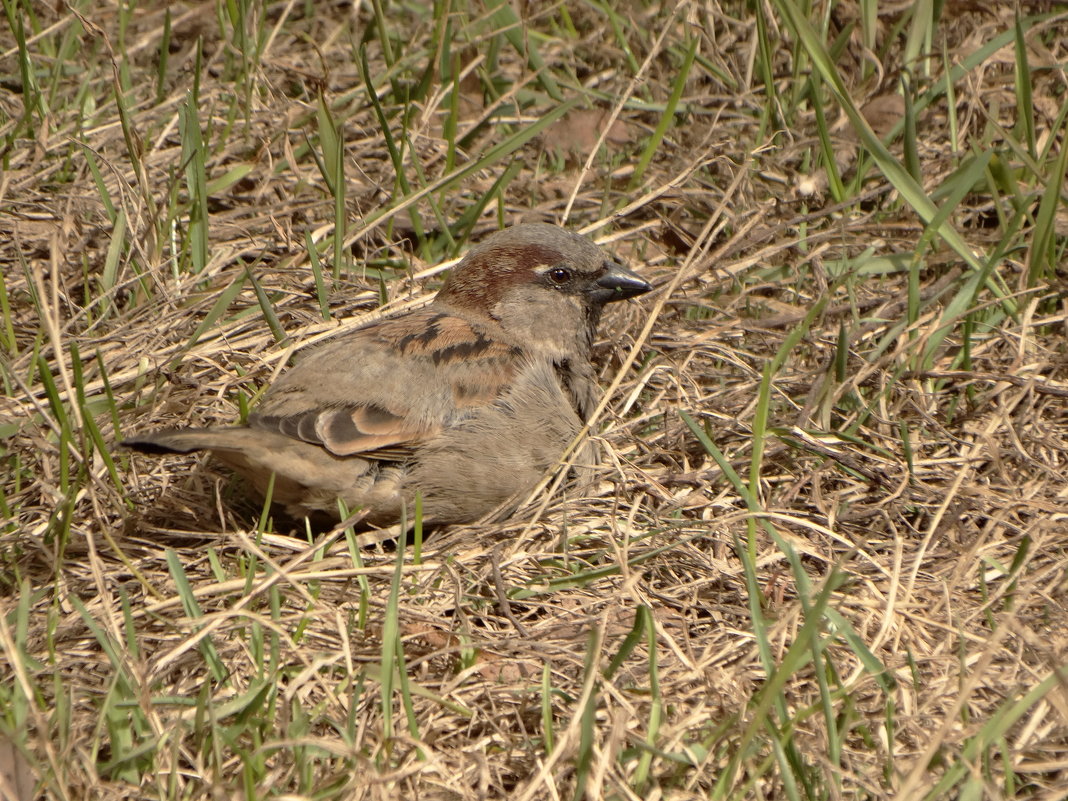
x=388, y=387
x=352, y=429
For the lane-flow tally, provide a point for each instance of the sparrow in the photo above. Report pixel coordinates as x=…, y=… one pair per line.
x=467, y=401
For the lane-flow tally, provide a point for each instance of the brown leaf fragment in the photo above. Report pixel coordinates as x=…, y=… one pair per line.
x=883, y=112
x=576, y=134
x=16, y=776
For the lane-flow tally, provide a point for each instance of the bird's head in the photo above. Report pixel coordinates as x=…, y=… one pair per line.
x=540, y=282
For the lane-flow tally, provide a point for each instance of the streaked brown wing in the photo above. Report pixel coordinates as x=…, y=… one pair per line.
x=476, y=367
x=352, y=429
x=442, y=337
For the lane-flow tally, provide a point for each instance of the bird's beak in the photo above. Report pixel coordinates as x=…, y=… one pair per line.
x=618, y=283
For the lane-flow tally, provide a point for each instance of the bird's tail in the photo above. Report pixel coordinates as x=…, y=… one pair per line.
x=187, y=440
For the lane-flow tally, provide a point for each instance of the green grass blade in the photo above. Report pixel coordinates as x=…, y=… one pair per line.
x=668, y=117
x=1025, y=107
x=1041, y=260
x=504, y=18
x=193, y=157
x=192, y=609
x=888, y=165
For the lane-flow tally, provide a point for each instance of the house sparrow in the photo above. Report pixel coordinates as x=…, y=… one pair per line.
x=468, y=400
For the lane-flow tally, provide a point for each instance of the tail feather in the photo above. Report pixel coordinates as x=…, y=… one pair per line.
x=187, y=440
x=307, y=476
x=256, y=454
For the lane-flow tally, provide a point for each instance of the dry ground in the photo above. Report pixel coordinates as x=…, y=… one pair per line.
x=828, y=553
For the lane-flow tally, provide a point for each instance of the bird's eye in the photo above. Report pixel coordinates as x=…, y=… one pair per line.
x=559, y=275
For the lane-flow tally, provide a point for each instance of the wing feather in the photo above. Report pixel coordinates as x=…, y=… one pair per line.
x=388, y=387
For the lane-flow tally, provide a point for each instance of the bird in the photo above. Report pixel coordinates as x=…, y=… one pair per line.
x=467, y=401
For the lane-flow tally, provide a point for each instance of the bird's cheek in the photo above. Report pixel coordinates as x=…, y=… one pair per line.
x=565, y=303
x=537, y=314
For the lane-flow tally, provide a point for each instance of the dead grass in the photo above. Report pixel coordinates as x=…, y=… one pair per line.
x=873, y=606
